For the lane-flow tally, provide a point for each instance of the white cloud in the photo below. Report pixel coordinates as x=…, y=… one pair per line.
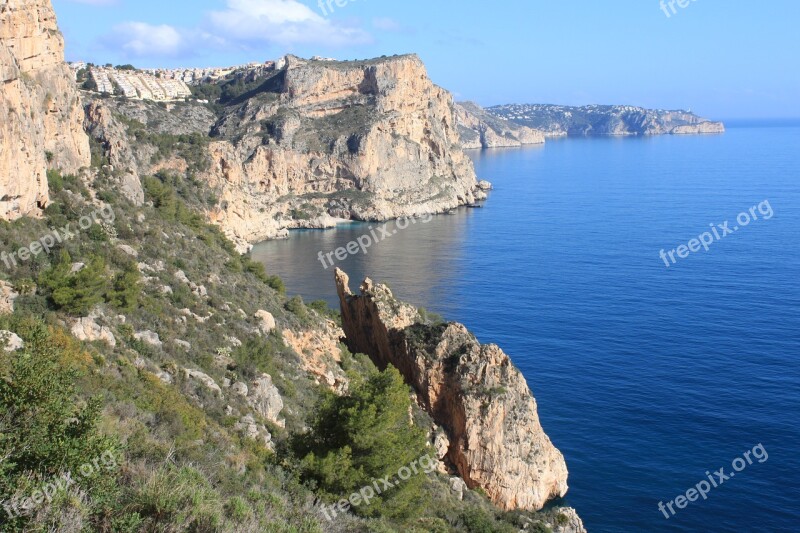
x=242, y=24
x=139, y=39
x=284, y=22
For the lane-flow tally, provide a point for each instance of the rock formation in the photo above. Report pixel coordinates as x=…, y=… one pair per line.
x=480, y=129
x=557, y=121
x=473, y=391
x=311, y=144
x=40, y=111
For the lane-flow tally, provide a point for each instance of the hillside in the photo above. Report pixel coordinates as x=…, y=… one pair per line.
x=556, y=120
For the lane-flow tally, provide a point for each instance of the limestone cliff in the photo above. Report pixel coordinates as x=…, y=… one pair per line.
x=480, y=129
x=314, y=142
x=495, y=439
x=366, y=140
x=557, y=120
x=40, y=112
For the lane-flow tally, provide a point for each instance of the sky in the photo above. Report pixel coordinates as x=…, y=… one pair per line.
x=723, y=59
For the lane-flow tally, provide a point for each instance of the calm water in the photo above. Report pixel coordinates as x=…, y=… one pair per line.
x=646, y=377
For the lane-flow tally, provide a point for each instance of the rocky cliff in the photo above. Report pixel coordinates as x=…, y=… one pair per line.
x=495, y=440
x=481, y=129
x=40, y=111
x=314, y=142
x=555, y=120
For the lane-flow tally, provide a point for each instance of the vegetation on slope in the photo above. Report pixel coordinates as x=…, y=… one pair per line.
x=164, y=451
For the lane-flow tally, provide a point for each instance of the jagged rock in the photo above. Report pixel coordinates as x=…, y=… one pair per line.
x=87, y=329
x=320, y=353
x=7, y=297
x=41, y=114
x=204, y=379
x=265, y=399
x=254, y=431
x=563, y=520
x=183, y=344
x=77, y=267
x=472, y=390
x=239, y=388
x=197, y=290
x=10, y=341
x=266, y=322
x=165, y=377
x=458, y=486
x=149, y=337
x=128, y=250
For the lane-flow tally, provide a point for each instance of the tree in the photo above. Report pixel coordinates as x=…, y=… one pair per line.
x=76, y=292
x=363, y=437
x=124, y=293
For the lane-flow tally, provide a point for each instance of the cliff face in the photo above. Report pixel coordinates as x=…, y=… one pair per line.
x=314, y=142
x=368, y=140
x=480, y=129
x=40, y=112
x=495, y=439
x=555, y=120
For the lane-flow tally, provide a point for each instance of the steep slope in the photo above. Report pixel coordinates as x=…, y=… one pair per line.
x=40, y=112
x=556, y=120
x=495, y=439
x=481, y=129
x=314, y=142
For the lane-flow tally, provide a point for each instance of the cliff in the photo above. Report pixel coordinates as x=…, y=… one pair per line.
x=555, y=120
x=481, y=129
x=314, y=142
x=473, y=391
x=40, y=112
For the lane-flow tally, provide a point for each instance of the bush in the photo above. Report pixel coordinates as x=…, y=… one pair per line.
x=365, y=436
x=45, y=430
x=76, y=292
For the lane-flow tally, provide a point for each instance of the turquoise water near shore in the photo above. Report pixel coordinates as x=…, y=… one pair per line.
x=646, y=377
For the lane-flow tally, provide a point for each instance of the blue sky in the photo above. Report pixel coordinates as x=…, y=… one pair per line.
x=722, y=59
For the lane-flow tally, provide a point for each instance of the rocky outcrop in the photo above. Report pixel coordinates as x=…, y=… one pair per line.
x=480, y=129
x=473, y=391
x=87, y=329
x=117, y=124
x=40, y=111
x=10, y=341
x=558, y=121
x=265, y=399
x=7, y=297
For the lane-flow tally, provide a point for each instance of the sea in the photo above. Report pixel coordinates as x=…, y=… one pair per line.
x=662, y=345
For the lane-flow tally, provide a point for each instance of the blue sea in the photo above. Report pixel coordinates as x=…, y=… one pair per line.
x=646, y=376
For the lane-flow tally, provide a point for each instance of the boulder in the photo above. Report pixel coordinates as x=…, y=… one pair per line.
x=10, y=341
x=87, y=329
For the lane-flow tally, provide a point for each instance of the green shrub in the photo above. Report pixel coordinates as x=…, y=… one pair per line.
x=75, y=292
x=365, y=436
